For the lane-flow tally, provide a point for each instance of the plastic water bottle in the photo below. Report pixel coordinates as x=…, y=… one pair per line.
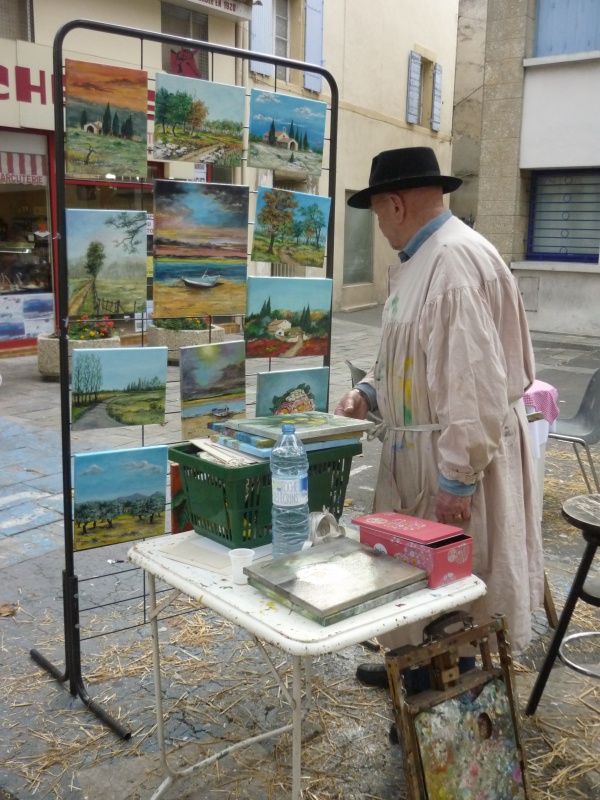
x=289, y=471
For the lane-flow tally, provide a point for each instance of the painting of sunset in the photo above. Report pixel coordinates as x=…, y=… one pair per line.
x=200, y=248
x=106, y=120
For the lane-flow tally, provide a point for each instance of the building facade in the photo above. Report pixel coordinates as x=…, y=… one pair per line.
x=394, y=66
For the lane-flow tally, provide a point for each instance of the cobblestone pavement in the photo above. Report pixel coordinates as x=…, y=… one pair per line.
x=52, y=747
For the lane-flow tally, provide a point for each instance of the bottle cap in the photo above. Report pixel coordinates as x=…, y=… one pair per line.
x=288, y=428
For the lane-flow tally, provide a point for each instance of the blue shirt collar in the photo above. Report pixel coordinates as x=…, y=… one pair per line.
x=422, y=235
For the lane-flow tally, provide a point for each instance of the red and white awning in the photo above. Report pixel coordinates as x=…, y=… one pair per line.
x=25, y=169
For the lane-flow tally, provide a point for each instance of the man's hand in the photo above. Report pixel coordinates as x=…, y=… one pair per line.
x=353, y=404
x=452, y=509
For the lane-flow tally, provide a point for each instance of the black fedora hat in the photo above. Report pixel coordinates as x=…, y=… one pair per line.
x=405, y=168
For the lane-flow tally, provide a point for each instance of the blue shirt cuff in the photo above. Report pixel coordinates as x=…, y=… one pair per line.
x=457, y=488
x=369, y=393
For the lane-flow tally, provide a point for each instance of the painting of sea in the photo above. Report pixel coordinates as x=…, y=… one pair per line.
x=106, y=120
x=200, y=249
x=120, y=386
x=213, y=386
x=290, y=227
x=287, y=317
x=198, y=121
x=119, y=496
x=106, y=261
x=286, y=133
x=290, y=391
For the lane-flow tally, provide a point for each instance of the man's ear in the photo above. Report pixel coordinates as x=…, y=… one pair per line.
x=399, y=206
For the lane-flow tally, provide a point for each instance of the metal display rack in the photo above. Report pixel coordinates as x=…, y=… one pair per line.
x=72, y=674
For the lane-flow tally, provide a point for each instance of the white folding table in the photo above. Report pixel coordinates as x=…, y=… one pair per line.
x=269, y=622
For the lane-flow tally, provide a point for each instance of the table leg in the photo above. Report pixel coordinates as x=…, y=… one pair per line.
x=160, y=730
x=297, y=727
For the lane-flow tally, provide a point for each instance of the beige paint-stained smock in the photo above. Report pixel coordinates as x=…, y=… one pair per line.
x=456, y=355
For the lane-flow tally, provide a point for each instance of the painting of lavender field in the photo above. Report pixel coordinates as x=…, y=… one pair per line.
x=119, y=496
x=290, y=227
x=286, y=132
x=106, y=261
x=198, y=121
x=213, y=386
x=106, y=111
x=291, y=391
x=120, y=386
x=200, y=249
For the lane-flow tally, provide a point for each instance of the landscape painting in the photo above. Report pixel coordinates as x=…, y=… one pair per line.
x=198, y=121
x=118, y=386
x=213, y=386
x=200, y=249
x=106, y=120
x=290, y=227
x=106, y=261
x=286, y=133
x=291, y=391
x=287, y=317
x=119, y=496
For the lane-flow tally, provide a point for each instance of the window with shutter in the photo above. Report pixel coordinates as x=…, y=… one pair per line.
x=261, y=36
x=436, y=100
x=16, y=20
x=413, y=92
x=313, y=43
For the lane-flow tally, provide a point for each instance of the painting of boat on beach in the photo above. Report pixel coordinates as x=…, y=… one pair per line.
x=106, y=120
x=200, y=249
x=119, y=496
x=198, y=121
x=106, y=261
x=286, y=132
x=213, y=386
x=287, y=317
x=290, y=227
x=120, y=386
x=291, y=391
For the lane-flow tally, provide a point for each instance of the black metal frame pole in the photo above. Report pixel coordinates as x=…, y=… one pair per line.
x=72, y=672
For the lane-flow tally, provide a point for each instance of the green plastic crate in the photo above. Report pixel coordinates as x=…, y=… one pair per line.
x=232, y=505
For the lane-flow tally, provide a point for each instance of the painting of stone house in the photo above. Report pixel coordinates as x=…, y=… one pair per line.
x=286, y=133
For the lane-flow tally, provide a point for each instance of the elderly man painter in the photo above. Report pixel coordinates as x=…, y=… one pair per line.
x=454, y=361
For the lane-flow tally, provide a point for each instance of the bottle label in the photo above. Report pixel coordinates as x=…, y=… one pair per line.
x=291, y=492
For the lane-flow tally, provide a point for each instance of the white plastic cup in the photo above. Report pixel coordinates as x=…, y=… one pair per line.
x=240, y=558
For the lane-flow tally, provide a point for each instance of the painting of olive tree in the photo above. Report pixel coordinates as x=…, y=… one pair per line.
x=106, y=111
x=198, y=121
x=106, y=261
x=120, y=386
x=119, y=496
x=290, y=227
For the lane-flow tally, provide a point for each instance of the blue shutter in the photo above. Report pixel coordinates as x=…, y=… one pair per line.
x=436, y=100
x=261, y=36
x=413, y=91
x=313, y=43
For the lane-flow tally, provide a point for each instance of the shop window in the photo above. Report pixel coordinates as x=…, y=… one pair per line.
x=16, y=20
x=564, y=222
x=358, y=245
x=192, y=24
x=424, y=92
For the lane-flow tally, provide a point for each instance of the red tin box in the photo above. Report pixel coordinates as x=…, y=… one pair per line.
x=443, y=551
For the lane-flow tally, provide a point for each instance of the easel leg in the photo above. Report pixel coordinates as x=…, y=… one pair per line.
x=549, y=607
x=297, y=730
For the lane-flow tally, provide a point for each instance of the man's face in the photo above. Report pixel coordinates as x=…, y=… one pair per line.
x=388, y=217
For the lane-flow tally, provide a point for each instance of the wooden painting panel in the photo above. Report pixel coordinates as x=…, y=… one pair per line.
x=213, y=386
x=290, y=227
x=200, y=249
x=291, y=391
x=286, y=132
x=119, y=496
x=106, y=120
x=118, y=387
x=198, y=121
x=287, y=317
x=106, y=261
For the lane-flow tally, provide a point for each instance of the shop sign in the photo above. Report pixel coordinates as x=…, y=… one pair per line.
x=25, y=169
x=223, y=8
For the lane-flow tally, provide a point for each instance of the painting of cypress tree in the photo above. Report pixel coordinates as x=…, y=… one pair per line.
x=106, y=120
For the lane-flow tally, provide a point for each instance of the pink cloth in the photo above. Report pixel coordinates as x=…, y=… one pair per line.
x=543, y=397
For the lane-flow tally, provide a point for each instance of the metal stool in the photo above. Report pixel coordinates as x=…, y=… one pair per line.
x=584, y=513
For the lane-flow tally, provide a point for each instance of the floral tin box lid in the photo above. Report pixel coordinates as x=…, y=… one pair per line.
x=413, y=528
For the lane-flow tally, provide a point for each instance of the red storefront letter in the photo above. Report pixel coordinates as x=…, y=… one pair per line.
x=4, y=82
x=25, y=88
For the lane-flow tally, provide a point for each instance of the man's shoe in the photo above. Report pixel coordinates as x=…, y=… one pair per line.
x=372, y=675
